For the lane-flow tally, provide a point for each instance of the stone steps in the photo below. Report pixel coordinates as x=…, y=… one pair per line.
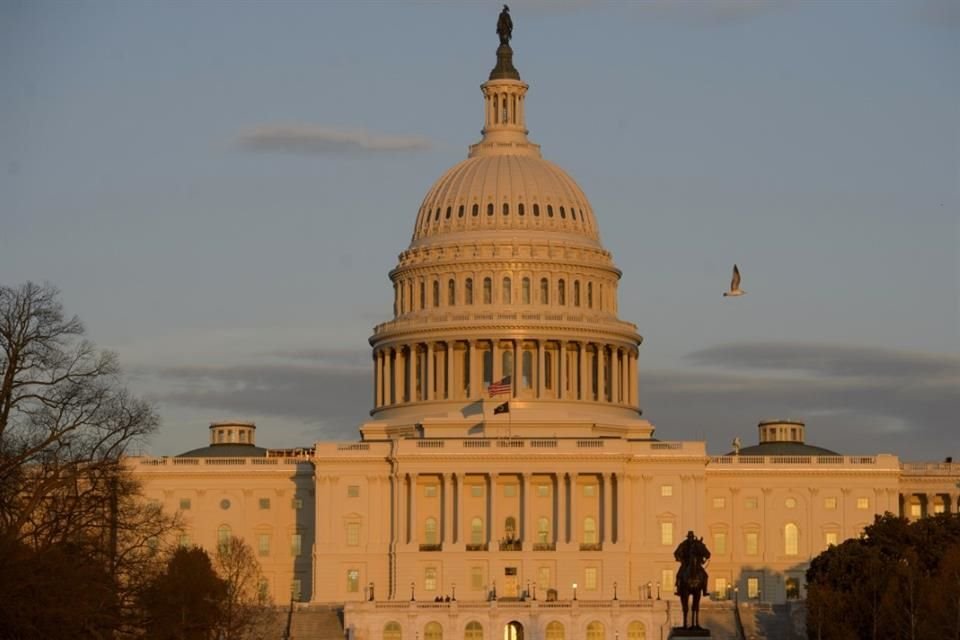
x=316, y=623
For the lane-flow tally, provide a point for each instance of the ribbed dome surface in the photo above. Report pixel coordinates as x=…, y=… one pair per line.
x=505, y=191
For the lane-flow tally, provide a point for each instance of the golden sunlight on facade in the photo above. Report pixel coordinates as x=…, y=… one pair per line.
x=548, y=510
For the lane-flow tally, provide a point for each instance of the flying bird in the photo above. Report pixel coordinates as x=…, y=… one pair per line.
x=734, y=284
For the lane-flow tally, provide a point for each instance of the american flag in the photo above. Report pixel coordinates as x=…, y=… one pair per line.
x=503, y=386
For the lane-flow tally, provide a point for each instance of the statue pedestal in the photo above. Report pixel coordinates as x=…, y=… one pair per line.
x=679, y=633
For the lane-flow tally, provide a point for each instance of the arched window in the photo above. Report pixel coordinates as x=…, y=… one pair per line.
x=487, y=291
x=490, y=209
x=536, y=210
x=636, y=631
x=430, y=531
x=506, y=209
x=451, y=292
x=596, y=631
x=507, y=293
x=520, y=209
x=543, y=531
x=573, y=213
x=563, y=213
x=510, y=527
x=436, y=216
x=224, y=533
x=549, y=210
x=474, y=631
x=460, y=212
x=468, y=291
x=791, y=539
x=476, y=210
x=590, y=295
x=562, y=292
x=436, y=293
x=555, y=631
x=544, y=291
x=503, y=117
x=447, y=215
x=392, y=631
x=527, y=369
x=525, y=291
x=576, y=293
x=433, y=631
x=589, y=530
x=476, y=531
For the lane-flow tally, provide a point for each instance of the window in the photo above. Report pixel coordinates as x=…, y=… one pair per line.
x=436, y=293
x=589, y=490
x=793, y=588
x=509, y=491
x=476, y=578
x=596, y=631
x=510, y=527
x=719, y=503
x=544, y=291
x=549, y=210
x=915, y=511
x=666, y=533
x=468, y=291
x=475, y=211
x=353, y=534
x=589, y=530
x=753, y=587
x=430, y=491
x=750, y=503
x=423, y=295
x=543, y=530
x=433, y=630
x=392, y=631
x=590, y=295
x=225, y=504
x=487, y=291
x=576, y=293
x=476, y=531
x=490, y=209
x=430, y=531
x=863, y=503
x=720, y=542
x=224, y=533
x=791, y=539
x=938, y=507
x=353, y=580
x=295, y=590
x=506, y=209
x=666, y=580
x=460, y=212
x=473, y=630
x=831, y=538
x=752, y=543
x=526, y=368
x=297, y=503
x=263, y=590
x=720, y=587
x=525, y=291
x=561, y=293
x=264, y=503
x=555, y=631
x=507, y=294
x=430, y=579
x=536, y=210
x=830, y=503
x=636, y=630
x=666, y=490
x=543, y=578
x=184, y=504
x=590, y=578
x=353, y=491
x=184, y=540
x=563, y=212
x=543, y=490
x=451, y=292
x=476, y=490
x=520, y=210
x=296, y=540
x=263, y=545
x=447, y=214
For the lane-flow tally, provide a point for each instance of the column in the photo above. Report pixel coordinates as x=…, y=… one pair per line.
x=451, y=384
x=472, y=363
x=562, y=371
x=378, y=379
x=489, y=518
x=607, y=526
x=397, y=376
x=515, y=366
x=430, y=394
x=446, y=516
x=931, y=502
x=525, y=536
x=413, y=522
x=555, y=515
x=497, y=361
x=455, y=514
x=565, y=481
x=541, y=373
x=601, y=372
x=619, y=488
x=632, y=379
x=582, y=382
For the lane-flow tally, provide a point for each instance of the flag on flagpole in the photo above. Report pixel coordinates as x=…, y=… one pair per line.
x=503, y=386
x=502, y=408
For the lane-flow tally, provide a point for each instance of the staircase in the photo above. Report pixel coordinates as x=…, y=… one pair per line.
x=316, y=623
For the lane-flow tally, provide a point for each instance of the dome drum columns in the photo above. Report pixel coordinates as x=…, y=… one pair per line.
x=461, y=370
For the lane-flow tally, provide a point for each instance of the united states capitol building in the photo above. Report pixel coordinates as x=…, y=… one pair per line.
x=550, y=509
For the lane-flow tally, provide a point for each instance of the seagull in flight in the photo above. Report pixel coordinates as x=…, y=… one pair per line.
x=735, y=284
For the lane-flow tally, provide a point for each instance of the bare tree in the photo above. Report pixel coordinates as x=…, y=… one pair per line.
x=246, y=605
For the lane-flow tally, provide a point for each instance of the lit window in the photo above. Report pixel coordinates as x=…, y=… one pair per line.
x=938, y=507
x=263, y=544
x=296, y=541
x=831, y=537
x=753, y=587
x=863, y=503
x=509, y=490
x=296, y=503
x=543, y=530
x=353, y=491
x=752, y=543
x=596, y=631
x=720, y=542
x=353, y=534
x=830, y=503
x=476, y=578
x=543, y=490
x=790, y=503
x=184, y=504
x=353, y=580
x=635, y=630
x=433, y=630
x=476, y=531
x=184, y=540
x=791, y=539
x=719, y=503
x=476, y=490
x=589, y=530
x=666, y=490
x=915, y=511
x=793, y=588
x=589, y=490
x=750, y=503
x=224, y=533
x=590, y=578
x=510, y=527
x=555, y=631
x=666, y=580
x=295, y=590
x=392, y=630
x=430, y=579
x=666, y=533
x=543, y=578
x=720, y=587
x=430, y=531
x=430, y=491
x=264, y=503
x=473, y=630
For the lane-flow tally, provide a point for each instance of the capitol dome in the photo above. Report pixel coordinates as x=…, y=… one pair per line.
x=505, y=298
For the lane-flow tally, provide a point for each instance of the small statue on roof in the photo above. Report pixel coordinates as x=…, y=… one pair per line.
x=505, y=26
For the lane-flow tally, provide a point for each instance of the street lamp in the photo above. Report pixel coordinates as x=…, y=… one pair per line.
x=411, y=591
x=370, y=592
x=574, y=590
x=649, y=590
x=453, y=591
x=614, y=589
x=736, y=594
x=658, y=589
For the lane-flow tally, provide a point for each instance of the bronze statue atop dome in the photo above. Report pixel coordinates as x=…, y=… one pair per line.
x=505, y=26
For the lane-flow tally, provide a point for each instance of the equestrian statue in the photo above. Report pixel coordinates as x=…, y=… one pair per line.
x=692, y=554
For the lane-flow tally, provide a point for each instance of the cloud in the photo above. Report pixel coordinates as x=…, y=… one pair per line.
x=695, y=11
x=854, y=399
x=313, y=139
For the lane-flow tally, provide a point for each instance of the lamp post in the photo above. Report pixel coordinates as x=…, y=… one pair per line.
x=412, y=598
x=370, y=592
x=574, y=590
x=453, y=591
x=658, y=589
x=649, y=590
x=534, y=590
x=614, y=589
x=736, y=594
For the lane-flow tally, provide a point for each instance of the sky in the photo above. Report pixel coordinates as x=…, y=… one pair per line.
x=219, y=190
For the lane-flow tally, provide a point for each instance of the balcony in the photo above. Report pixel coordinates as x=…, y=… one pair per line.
x=431, y=547
x=483, y=546
x=591, y=546
x=511, y=545
x=544, y=546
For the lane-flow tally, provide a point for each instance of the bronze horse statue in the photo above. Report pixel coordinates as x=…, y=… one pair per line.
x=692, y=577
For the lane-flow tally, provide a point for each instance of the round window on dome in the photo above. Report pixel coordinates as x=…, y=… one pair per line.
x=449, y=209
x=506, y=209
x=436, y=216
x=224, y=504
x=573, y=213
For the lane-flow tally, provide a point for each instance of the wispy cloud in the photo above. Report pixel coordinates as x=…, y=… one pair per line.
x=314, y=139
